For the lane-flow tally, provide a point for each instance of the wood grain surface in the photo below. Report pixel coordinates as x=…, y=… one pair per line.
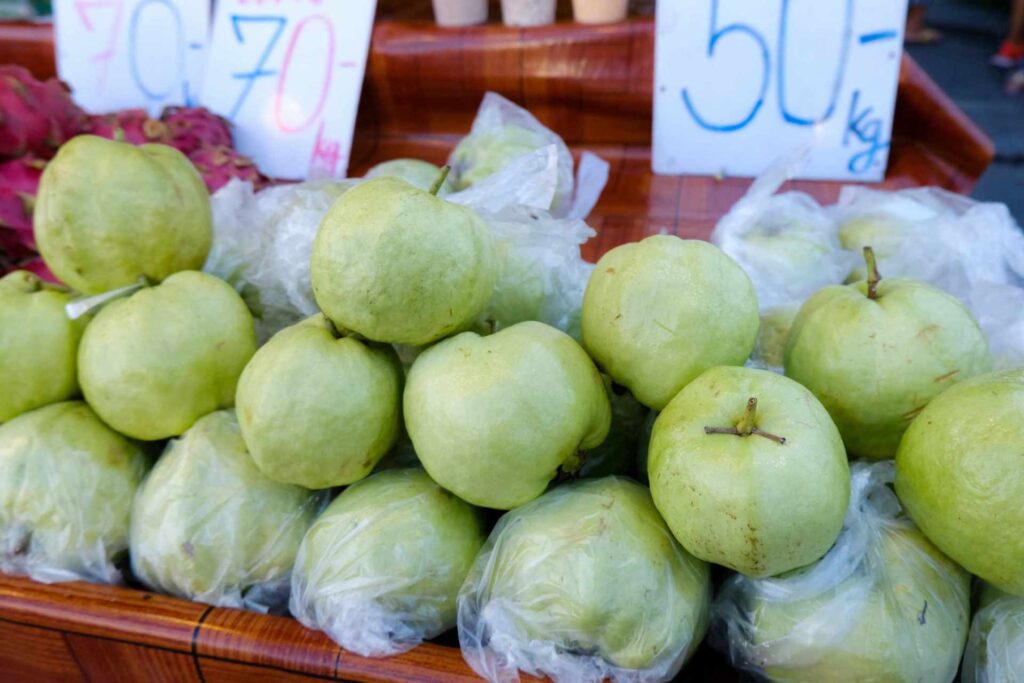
x=590, y=84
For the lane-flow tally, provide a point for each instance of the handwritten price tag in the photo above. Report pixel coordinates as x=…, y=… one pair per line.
x=739, y=84
x=288, y=74
x=117, y=54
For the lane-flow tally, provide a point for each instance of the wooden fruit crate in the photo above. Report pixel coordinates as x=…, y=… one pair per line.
x=592, y=85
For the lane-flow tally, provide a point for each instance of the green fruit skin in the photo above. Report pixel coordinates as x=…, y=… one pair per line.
x=66, y=487
x=494, y=418
x=875, y=364
x=108, y=213
x=419, y=174
x=482, y=154
x=385, y=561
x=206, y=524
x=38, y=345
x=659, y=312
x=319, y=411
x=150, y=365
x=749, y=503
x=995, y=645
x=398, y=265
x=617, y=454
x=590, y=568
x=770, y=349
x=885, y=236
x=877, y=634
x=960, y=475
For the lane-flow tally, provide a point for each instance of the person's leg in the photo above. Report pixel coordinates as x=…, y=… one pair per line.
x=1011, y=52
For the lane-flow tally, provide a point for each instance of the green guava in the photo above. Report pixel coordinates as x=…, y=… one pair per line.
x=420, y=174
x=38, y=344
x=151, y=364
x=883, y=234
x=481, y=154
x=519, y=291
x=749, y=472
x=108, y=213
x=399, y=265
x=659, y=312
x=319, y=409
x=66, y=487
x=903, y=620
x=380, y=569
x=495, y=419
x=995, y=645
x=882, y=605
x=770, y=348
x=876, y=352
x=960, y=475
x=208, y=526
x=585, y=582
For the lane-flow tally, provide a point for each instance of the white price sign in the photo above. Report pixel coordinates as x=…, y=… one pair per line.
x=740, y=83
x=289, y=75
x=118, y=54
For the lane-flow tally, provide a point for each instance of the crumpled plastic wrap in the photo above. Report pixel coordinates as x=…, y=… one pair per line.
x=208, y=526
x=787, y=243
x=262, y=244
x=972, y=250
x=584, y=583
x=543, y=275
x=66, y=487
x=380, y=569
x=502, y=131
x=995, y=646
x=883, y=604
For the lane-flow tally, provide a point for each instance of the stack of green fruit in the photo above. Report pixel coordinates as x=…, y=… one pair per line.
x=587, y=574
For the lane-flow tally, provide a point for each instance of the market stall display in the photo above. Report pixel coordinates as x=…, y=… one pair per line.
x=472, y=296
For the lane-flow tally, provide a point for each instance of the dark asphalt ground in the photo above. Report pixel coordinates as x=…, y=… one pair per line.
x=972, y=31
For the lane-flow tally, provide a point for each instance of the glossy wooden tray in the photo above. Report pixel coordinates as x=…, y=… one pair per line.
x=592, y=85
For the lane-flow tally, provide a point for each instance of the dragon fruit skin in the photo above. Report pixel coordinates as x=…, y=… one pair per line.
x=192, y=128
x=129, y=125
x=35, y=117
x=19, y=182
x=220, y=163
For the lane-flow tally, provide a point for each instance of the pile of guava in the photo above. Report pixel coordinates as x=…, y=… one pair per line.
x=403, y=407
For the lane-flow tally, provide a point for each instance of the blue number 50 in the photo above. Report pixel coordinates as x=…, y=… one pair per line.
x=716, y=35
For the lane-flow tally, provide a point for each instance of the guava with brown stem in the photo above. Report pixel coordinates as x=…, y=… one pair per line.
x=877, y=351
x=749, y=471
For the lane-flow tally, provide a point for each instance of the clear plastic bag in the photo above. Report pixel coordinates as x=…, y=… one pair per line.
x=584, y=583
x=995, y=646
x=380, y=569
x=66, y=487
x=883, y=604
x=787, y=243
x=208, y=526
x=972, y=250
x=262, y=245
x=503, y=132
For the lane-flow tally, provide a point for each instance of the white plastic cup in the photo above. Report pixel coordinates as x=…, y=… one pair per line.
x=600, y=11
x=460, y=12
x=528, y=12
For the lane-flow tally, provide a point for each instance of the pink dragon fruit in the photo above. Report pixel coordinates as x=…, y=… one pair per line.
x=19, y=182
x=192, y=128
x=220, y=163
x=129, y=125
x=35, y=117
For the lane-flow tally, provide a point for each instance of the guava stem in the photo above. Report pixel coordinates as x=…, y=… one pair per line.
x=439, y=183
x=746, y=423
x=745, y=427
x=874, y=277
